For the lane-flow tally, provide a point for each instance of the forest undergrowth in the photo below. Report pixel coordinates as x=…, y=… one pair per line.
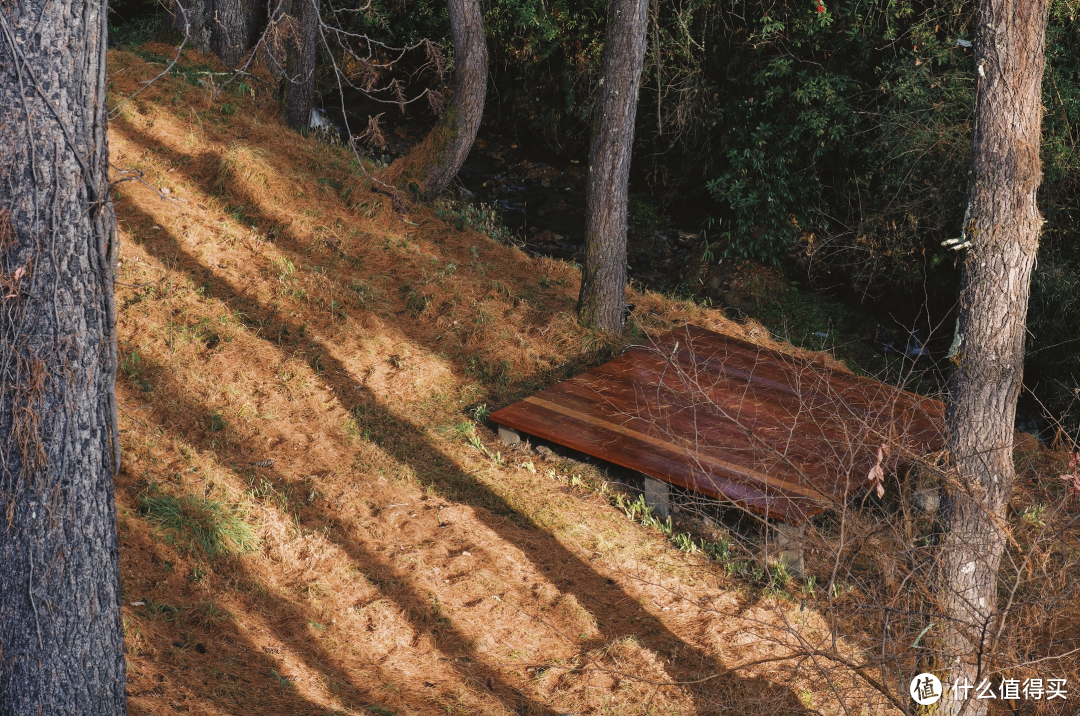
x=314, y=517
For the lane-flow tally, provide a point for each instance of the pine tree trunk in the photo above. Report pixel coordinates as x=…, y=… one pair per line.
x=228, y=28
x=1002, y=224
x=301, y=66
x=601, y=303
x=235, y=29
x=193, y=17
x=462, y=120
x=61, y=636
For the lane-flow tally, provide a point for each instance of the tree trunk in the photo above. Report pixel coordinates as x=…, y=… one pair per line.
x=61, y=635
x=193, y=17
x=235, y=29
x=301, y=66
x=601, y=303
x=228, y=28
x=1002, y=225
x=459, y=125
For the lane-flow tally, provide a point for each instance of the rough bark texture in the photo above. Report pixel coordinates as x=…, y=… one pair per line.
x=228, y=28
x=462, y=120
x=601, y=303
x=61, y=636
x=194, y=17
x=235, y=29
x=1002, y=224
x=301, y=67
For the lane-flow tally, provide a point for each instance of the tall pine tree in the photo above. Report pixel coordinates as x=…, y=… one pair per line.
x=61, y=636
x=601, y=303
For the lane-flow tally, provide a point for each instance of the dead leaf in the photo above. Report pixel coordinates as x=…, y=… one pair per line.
x=20, y=272
x=877, y=473
x=1073, y=479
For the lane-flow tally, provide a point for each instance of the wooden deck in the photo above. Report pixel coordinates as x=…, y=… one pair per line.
x=776, y=434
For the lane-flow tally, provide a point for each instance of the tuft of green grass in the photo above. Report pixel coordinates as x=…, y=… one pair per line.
x=197, y=524
x=217, y=421
x=475, y=441
x=415, y=301
x=133, y=366
x=459, y=430
x=1034, y=515
x=365, y=294
x=481, y=218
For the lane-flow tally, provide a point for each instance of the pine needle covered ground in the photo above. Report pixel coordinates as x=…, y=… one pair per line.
x=311, y=520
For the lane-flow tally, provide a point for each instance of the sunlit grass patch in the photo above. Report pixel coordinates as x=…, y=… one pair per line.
x=197, y=524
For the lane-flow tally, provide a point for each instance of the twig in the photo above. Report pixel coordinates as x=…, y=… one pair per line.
x=138, y=176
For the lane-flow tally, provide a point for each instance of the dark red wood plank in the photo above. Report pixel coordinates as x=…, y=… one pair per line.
x=789, y=374
x=777, y=434
x=666, y=462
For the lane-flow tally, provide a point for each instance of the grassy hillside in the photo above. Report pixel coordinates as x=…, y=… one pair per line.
x=393, y=557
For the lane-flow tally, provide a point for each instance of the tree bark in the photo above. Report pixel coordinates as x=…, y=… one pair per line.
x=193, y=18
x=227, y=28
x=601, y=303
x=300, y=97
x=1002, y=224
x=61, y=635
x=235, y=29
x=457, y=130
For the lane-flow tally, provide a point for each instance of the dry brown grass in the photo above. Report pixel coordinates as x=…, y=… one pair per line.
x=272, y=307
